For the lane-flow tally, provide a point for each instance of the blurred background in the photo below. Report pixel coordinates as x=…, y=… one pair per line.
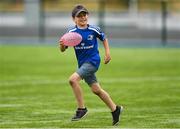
x=126, y=22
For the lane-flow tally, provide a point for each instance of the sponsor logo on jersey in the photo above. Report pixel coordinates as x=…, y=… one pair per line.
x=84, y=47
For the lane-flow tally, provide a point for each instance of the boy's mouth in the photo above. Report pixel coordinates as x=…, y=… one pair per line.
x=83, y=20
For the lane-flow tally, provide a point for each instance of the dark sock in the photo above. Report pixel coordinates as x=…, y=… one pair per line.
x=115, y=109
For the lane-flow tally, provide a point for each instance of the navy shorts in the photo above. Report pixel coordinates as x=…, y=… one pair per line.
x=87, y=72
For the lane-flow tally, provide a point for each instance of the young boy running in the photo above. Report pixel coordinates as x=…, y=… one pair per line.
x=88, y=58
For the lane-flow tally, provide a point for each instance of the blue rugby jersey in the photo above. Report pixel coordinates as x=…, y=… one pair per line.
x=87, y=50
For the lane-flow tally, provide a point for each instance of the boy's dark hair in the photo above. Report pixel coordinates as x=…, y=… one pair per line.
x=78, y=9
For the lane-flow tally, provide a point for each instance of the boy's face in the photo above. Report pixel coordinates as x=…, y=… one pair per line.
x=81, y=19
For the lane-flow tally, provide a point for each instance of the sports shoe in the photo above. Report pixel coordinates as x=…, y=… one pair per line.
x=80, y=113
x=116, y=115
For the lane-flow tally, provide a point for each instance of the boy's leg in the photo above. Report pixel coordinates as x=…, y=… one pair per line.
x=96, y=89
x=81, y=110
x=74, y=82
x=115, y=110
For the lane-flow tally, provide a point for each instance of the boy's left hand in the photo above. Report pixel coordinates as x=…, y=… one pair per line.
x=107, y=59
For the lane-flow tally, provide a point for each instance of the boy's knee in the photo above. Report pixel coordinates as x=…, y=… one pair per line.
x=74, y=79
x=96, y=90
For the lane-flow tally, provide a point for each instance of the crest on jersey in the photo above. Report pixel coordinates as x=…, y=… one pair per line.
x=90, y=37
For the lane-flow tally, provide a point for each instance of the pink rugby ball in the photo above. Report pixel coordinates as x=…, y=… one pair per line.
x=71, y=39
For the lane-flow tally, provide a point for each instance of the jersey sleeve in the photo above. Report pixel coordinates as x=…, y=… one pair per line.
x=99, y=33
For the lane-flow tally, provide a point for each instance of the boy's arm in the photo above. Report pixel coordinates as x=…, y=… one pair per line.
x=62, y=47
x=107, y=56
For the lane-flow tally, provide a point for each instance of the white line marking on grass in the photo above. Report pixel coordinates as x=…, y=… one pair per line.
x=138, y=79
x=103, y=80
x=10, y=105
x=31, y=82
x=59, y=111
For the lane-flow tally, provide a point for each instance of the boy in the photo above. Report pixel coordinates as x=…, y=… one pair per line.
x=88, y=58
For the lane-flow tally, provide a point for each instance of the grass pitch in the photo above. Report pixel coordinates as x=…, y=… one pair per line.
x=34, y=89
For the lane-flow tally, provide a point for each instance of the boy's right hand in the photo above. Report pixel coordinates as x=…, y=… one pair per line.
x=62, y=46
